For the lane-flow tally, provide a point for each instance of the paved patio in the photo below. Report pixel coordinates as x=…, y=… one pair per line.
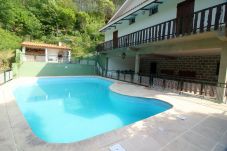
x=192, y=124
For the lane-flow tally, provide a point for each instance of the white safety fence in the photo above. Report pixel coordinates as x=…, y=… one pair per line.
x=6, y=76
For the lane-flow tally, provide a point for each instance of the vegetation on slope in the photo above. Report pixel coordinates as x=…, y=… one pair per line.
x=74, y=22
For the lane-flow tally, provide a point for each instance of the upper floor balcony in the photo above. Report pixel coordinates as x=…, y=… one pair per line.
x=206, y=20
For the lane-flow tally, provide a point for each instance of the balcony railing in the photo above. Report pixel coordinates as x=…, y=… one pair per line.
x=212, y=18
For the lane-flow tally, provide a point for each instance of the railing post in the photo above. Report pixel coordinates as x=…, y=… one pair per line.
x=195, y=23
x=209, y=19
x=132, y=77
x=163, y=31
x=164, y=83
x=151, y=80
x=140, y=80
x=202, y=19
x=159, y=31
x=169, y=29
x=4, y=76
x=201, y=89
x=217, y=17
x=174, y=28
x=181, y=86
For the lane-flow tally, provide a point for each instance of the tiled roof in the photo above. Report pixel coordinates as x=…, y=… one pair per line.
x=42, y=45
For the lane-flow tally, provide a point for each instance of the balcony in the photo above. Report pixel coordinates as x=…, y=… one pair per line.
x=210, y=19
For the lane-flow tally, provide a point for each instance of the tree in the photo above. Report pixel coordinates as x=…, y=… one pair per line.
x=75, y=22
x=106, y=8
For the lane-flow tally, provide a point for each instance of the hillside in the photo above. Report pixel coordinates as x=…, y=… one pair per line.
x=74, y=22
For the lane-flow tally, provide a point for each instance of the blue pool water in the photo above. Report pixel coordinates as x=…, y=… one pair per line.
x=65, y=110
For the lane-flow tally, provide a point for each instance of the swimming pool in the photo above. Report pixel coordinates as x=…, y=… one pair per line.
x=65, y=110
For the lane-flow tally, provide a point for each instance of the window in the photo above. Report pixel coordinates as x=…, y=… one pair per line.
x=153, y=10
x=132, y=21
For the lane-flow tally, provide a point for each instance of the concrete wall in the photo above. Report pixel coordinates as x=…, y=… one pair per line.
x=204, y=66
x=117, y=63
x=167, y=11
x=53, y=69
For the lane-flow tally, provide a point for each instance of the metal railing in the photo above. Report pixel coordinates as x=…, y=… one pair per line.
x=58, y=59
x=205, y=89
x=212, y=18
x=6, y=76
x=48, y=58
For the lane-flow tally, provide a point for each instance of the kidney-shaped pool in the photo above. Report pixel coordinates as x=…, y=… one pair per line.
x=65, y=110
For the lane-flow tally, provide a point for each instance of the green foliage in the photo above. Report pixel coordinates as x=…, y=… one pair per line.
x=74, y=22
x=8, y=40
x=106, y=8
x=15, y=18
x=8, y=43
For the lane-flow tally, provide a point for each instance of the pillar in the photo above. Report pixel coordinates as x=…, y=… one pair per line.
x=222, y=77
x=137, y=64
x=107, y=66
x=46, y=55
x=23, y=50
x=69, y=56
x=23, y=54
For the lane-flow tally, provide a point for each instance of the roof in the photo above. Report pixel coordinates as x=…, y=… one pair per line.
x=43, y=45
x=129, y=7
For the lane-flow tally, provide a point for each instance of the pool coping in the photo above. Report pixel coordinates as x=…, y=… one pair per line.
x=25, y=139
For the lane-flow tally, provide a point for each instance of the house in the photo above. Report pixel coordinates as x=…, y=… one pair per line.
x=39, y=52
x=175, y=44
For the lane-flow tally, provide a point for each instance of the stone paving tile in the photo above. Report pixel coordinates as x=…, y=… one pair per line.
x=212, y=128
x=207, y=132
x=220, y=125
x=7, y=147
x=220, y=148
x=224, y=139
x=199, y=141
x=181, y=144
x=140, y=143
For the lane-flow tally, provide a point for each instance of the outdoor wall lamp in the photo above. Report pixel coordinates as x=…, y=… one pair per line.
x=123, y=55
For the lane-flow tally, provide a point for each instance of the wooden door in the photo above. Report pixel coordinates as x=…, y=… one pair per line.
x=185, y=11
x=115, y=39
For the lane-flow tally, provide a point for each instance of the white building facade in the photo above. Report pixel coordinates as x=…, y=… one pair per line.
x=170, y=39
x=39, y=52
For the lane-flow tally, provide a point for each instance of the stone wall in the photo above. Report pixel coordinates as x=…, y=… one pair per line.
x=204, y=67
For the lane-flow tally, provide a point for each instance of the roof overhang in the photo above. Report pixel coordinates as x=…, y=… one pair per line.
x=43, y=46
x=131, y=14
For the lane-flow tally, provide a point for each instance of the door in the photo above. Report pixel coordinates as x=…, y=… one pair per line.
x=185, y=11
x=115, y=39
x=153, y=68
